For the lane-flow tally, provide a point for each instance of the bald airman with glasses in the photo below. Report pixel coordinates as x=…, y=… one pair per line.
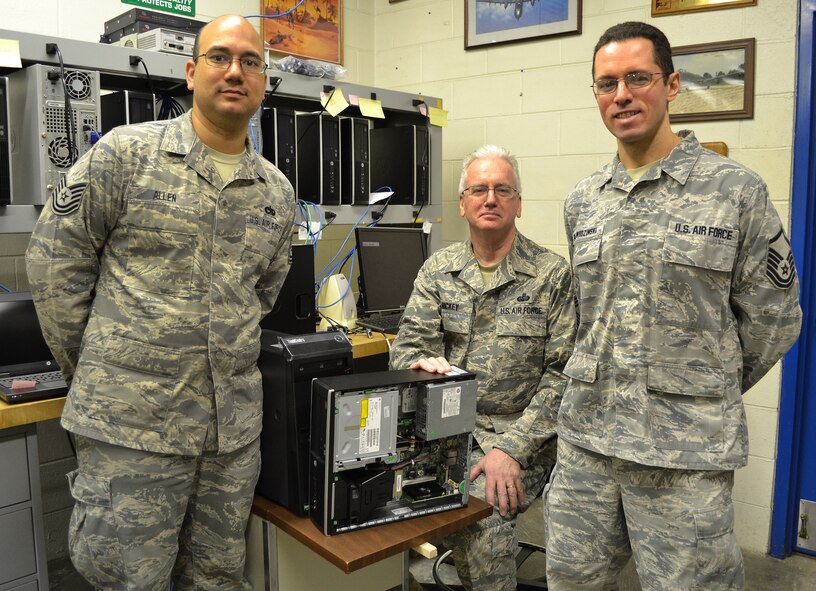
x=151, y=267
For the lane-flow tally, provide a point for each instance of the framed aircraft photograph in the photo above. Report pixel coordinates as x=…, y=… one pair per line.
x=716, y=81
x=492, y=22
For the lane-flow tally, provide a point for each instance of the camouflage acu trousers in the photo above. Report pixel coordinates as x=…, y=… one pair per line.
x=485, y=552
x=142, y=519
x=678, y=524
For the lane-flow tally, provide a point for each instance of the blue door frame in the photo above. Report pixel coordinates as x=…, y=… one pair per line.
x=792, y=465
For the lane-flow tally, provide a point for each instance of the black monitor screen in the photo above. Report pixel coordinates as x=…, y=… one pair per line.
x=20, y=338
x=389, y=259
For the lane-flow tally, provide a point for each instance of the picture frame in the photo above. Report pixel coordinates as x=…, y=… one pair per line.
x=716, y=81
x=310, y=30
x=667, y=7
x=494, y=22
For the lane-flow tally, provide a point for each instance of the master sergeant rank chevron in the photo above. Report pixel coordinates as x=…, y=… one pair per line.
x=781, y=271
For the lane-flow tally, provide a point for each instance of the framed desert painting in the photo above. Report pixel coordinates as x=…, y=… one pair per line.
x=310, y=29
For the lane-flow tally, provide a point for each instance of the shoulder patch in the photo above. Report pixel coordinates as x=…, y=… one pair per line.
x=65, y=200
x=780, y=270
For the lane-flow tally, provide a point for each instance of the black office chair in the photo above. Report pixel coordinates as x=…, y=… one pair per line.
x=526, y=549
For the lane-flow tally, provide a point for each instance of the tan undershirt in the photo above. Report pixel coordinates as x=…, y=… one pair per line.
x=225, y=164
x=638, y=172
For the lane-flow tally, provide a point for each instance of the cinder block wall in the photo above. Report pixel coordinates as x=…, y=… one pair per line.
x=534, y=98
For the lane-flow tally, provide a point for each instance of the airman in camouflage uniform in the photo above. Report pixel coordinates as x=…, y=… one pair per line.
x=500, y=306
x=687, y=295
x=151, y=267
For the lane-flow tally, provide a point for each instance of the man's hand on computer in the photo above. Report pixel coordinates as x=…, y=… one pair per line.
x=433, y=364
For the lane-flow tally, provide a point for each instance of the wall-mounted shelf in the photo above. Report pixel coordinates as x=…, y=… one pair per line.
x=167, y=72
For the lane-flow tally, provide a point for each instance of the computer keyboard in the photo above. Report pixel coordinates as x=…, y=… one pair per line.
x=42, y=378
x=387, y=323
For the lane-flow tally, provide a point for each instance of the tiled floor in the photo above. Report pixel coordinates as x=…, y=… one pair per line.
x=762, y=573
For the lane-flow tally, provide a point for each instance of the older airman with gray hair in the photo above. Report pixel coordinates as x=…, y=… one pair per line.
x=500, y=306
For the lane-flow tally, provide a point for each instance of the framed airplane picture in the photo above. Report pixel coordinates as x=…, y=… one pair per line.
x=716, y=81
x=492, y=22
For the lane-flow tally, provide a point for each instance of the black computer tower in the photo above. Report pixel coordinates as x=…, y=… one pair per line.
x=294, y=309
x=5, y=155
x=280, y=141
x=422, y=165
x=392, y=162
x=125, y=107
x=354, y=161
x=288, y=364
x=318, y=155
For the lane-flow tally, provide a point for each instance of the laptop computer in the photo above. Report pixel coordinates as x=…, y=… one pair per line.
x=28, y=370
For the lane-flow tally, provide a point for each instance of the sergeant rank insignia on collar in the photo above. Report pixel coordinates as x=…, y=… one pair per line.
x=780, y=271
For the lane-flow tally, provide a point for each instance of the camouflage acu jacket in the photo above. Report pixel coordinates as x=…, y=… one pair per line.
x=687, y=296
x=515, y=335
x=150, y=276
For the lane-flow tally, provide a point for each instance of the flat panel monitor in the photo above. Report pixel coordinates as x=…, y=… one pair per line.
x=21, y=340
x=389, y=259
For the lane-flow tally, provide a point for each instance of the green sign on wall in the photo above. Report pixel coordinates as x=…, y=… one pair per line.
x=182, y=7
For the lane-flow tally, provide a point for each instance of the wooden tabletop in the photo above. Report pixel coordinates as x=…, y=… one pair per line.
x=363, y=345
x=12, y=415
x=353, y=550
x=23, y=413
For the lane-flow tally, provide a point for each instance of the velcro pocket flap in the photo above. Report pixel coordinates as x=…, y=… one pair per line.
x=142, y=357
x=92, y=490
x=685, y=380
x=714, y=522
x=582, y=367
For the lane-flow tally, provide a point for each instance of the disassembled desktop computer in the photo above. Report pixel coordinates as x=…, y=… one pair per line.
x=388, y=446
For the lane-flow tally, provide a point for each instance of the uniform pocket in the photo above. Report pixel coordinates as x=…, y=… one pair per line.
x=582, y=409
x=586, y=265
x=521, y=339
x=161, y=241
x=260, y=245
x=686, y=407
x=457, y=322
x=134, y=382
x=719, y=560
x=695, y=277
x=92, y=533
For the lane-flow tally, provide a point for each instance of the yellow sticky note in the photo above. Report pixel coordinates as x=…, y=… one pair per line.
x=334, y=102
x=371, y=108
x=438, y=117
x=10, y=53
x=364, y=408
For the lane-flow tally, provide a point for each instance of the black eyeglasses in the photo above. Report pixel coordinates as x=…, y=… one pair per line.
x=500, y=191
x=222, y=61
x=633, y=81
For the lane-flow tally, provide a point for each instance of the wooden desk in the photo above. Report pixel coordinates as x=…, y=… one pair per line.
x=355, y=549
x=13, y=415
x=289, y=553
x=364, y=346
x=24, y=413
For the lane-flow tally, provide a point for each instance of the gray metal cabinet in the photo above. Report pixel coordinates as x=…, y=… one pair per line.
x=22, y=544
